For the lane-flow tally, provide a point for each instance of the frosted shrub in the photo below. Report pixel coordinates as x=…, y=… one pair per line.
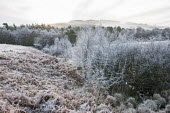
x=119, y=97
x=149, y=104
x=144, y=110
x=130, y=110
x=132, y=101
x=102, y=108
x=167, y=108
x=161, y=102
x=111, y=100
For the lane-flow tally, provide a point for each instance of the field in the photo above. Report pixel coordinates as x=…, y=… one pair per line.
x=84, y=70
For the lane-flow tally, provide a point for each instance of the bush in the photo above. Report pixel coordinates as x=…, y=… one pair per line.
x=167, y=108
x=148, y=104
x=161, y=102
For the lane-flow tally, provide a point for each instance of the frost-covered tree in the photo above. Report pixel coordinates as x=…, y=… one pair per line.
x=60, y=47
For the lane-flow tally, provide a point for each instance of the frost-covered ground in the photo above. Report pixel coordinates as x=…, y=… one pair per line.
x=34, y=82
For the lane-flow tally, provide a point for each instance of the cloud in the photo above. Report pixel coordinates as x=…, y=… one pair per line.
x=155, y=16
x=14, y=11
x=81, y=8
x=51, y=11
x=152, y=12
x=14, y=20
x=95, y=9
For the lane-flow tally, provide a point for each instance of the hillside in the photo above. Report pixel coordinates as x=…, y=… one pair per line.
x=31, y=81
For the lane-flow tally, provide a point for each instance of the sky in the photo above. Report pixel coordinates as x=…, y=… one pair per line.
x=152, y=12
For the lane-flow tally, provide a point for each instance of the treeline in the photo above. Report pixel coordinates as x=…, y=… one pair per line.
x=27, y=35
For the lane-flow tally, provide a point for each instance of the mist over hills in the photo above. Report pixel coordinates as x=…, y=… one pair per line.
x=104, y=23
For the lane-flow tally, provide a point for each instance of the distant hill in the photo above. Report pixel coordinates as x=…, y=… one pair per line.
x=104, y=23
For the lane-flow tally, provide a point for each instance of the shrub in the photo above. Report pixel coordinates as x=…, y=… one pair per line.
x=130, y=110
x=144, y=110
x=167, y=108
x=161, y=102
x=148, y=104
x=132, y=101
x=111, y=100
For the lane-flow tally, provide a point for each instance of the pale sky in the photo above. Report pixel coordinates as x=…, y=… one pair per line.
x=152, y=12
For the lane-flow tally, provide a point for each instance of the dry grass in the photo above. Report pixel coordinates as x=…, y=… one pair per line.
x=31, y=81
